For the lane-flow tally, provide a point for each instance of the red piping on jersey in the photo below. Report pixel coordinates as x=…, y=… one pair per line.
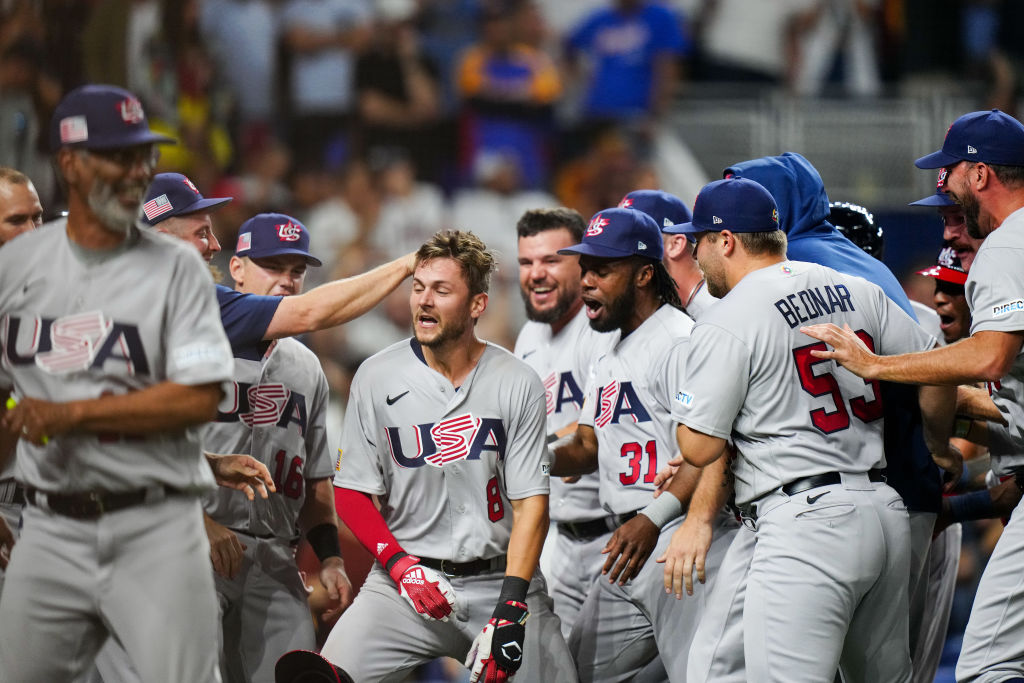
x=357, y=510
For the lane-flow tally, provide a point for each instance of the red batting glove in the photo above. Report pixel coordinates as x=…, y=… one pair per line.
x=426, y=590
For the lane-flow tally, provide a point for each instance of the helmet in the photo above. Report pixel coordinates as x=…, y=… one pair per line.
x=858, y=225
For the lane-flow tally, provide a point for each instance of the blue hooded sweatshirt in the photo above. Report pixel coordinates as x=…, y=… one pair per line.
x=803, y=206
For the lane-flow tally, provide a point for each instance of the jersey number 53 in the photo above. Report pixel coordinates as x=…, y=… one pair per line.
x=825, y=383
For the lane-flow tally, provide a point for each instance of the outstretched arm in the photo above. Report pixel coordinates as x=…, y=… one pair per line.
x=985, y=356
x=338, y=302
x=575, y=454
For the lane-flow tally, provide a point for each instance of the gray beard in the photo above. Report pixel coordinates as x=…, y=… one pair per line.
x=104, y=203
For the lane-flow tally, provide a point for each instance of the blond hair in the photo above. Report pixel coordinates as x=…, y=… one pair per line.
x=474, y=258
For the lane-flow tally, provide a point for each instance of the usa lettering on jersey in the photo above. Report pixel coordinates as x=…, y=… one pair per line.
x=264, y=405
x=559, y=389
x=73, y=343
x=617, y=400
x=463, y=437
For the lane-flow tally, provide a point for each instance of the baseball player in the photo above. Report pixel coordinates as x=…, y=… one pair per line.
x=110, y=371
x=559, y=344
x=830, y=563
x=984, y=154
x=667, y=210
x=626, y=432
x=449, y=432
x=276, y=413
x=20, y=211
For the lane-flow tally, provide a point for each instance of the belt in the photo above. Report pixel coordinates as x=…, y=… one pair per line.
x=92, y=504
x=748, y=512
x=585, y=531
x=11, y=493
x=471, y=568
x=827, y=479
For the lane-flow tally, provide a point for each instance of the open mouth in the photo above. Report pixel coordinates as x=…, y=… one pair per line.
x=946, y=321
x=427, y=321
x=594, y=307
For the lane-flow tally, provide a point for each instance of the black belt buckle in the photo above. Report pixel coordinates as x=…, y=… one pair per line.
x=448, y=569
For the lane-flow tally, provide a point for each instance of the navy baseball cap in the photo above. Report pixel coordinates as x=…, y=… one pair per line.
x=618, y=233
x=101, y=117
x=947, y=268
x=304, y=666
x=172, y=194
x=939, y=197
x=989, y=136
x=666, y=209
x=273, y=234
x=736, y=204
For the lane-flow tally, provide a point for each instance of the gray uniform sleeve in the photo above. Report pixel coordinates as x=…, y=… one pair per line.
x=527, y=463
x=899, y=332
x=197, y=348
x=669, y=381
x=359, y=466
x=319, y=463
x=995, y=290
x=589, y=402
x=715, y=388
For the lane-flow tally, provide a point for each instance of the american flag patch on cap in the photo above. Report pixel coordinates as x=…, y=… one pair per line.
x=244, y=242
x=157, y=206
x=74, y=129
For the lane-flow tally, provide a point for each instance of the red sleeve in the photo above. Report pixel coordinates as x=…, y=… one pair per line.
x=357, y=510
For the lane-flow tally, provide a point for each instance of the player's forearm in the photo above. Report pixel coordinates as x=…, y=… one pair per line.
x=529, y=528
x=938, y=411
x=361, y=516
x=982, y=357
x=318, y=507
x=164, y=407
x=575, y=454
x=712, y=492
x=337, y=302
x=977, y=402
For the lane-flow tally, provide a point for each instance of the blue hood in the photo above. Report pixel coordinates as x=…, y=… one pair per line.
x=800, y=195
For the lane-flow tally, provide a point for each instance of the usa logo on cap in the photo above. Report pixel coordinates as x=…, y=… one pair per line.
x=597, y=226
x=627, y=202
x=288, y=232
x=941, y=180
x=131, y=110
x=188, y=182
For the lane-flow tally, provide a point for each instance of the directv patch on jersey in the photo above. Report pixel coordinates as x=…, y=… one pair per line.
x=198, y=354
x=545, y=468
x=1008, y=307
x=685, y=398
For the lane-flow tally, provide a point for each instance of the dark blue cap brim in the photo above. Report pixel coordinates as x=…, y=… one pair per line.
x=311, y=260
x=936, y=199
x=597, y=250
x=121, y=139
x=683, y=229
x=208, y=203
x=937, y=160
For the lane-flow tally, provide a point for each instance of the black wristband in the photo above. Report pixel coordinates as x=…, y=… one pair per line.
x=323, y=538
x=393, y=559
x=514, y=589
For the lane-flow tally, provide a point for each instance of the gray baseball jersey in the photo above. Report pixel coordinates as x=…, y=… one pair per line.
x=628, y=405
x=791, y=415
x=445, y=460
x=564, y=363
x=700, y=302
x=276, y=412
x=66, y=337
x=995, y=295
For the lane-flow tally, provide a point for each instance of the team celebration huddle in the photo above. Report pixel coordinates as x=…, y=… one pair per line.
x=726, y=447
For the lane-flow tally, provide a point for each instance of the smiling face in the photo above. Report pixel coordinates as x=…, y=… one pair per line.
x=114, y=182
x=443, y=310
x=954, y=233
x=549, y=282
x=20, y=210
x=270, y=276
x=194, y=228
